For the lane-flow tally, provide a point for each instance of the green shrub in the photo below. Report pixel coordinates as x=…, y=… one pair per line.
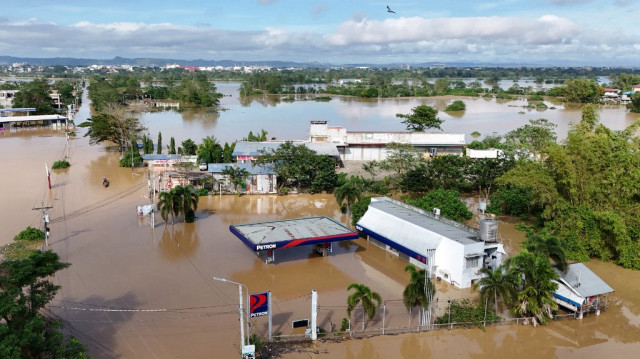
x=125, y=161
x=536, y=98
x=463, y=311
x=60, y=164
x=359, y=208
x=448, y=201
x=202, y=192
x=514, y=201
x=30, y=234
x=345, y=325
x=323, y=98
x=456, y=106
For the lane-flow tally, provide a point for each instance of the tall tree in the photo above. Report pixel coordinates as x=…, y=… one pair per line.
x=421, y=118
x=497, y=283
x=188, y=201
x=159, y=151
x=349, y=193
x=114, y=125
x=582, y=90
x=420, y=290
x=24, y=291
x=532, y=138
x=168, y=206
x=300, y=167
x=210, y=150
x=189, y=148
x=546, y=246
x=35, y=94
x=535, y=294
x=365, y=296
x=171, y=149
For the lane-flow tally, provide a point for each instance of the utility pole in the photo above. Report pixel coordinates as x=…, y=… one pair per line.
x=45, y=221
x=152, y=192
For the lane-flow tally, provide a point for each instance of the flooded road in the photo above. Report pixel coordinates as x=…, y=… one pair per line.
x=134, y=291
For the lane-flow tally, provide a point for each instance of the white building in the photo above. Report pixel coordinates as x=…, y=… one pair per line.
x=450, y=250
x=372, y=145
x=489, y=153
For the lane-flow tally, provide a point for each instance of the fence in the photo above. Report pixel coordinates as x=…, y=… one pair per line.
x=391, y=318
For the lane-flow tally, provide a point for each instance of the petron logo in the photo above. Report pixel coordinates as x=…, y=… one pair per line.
x=260, y=247
x=259, y=304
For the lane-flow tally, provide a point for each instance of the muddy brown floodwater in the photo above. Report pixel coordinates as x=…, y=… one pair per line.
x=137, y=292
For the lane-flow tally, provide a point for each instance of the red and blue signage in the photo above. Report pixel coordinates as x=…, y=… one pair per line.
x=259, y=304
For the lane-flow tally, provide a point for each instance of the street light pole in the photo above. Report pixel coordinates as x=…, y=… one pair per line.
x=240, y=307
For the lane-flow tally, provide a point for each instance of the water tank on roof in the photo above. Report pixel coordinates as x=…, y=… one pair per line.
x=489, y=230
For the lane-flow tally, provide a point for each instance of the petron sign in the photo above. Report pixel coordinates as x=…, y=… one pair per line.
x=259, y=304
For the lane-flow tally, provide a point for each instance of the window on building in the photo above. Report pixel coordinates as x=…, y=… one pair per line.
x=472, y=262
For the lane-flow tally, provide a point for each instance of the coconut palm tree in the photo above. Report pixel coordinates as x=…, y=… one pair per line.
x=349, y=193
x=167, y=205
x=499, y=282
x=549, y=247
x=188, y=201
x=415, y=294
x=209, y=150
x=365, y=296
x=535, y=295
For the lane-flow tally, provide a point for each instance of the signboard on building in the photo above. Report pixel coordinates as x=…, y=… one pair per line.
x=259, y=304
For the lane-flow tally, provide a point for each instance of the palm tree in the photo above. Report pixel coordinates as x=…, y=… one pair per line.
x=209, y=150
x=535, y=295
x=349, y=193
x=499, y=282
x=549, y=247
x=415, y=294
x=167, y=205
x=188, y=201
x=366, y=297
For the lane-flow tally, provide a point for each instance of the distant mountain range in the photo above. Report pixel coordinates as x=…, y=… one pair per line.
x=69, y=61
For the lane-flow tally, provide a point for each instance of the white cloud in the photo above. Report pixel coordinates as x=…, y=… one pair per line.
x=496, y=39
x=548, y=28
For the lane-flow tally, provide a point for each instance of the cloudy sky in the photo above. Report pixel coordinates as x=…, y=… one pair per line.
x=577, y=32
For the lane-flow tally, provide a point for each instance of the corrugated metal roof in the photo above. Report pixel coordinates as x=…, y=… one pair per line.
x=247, y=148
x=160, y=157
x=584, y=281
x=252, y=169
x=398, y=223
x=32, y=118
x=298, y=229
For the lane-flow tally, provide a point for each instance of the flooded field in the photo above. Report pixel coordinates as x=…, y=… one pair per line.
x=134, y=291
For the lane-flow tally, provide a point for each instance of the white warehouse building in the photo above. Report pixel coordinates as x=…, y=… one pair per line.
x=451, y=251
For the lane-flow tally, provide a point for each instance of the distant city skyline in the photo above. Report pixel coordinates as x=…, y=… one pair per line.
x=575, y=32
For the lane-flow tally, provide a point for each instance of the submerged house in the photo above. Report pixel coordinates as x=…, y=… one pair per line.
x=580, y=290
x=248, y=151
x=451, y=251
x=372, y=145
x=260, y=179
